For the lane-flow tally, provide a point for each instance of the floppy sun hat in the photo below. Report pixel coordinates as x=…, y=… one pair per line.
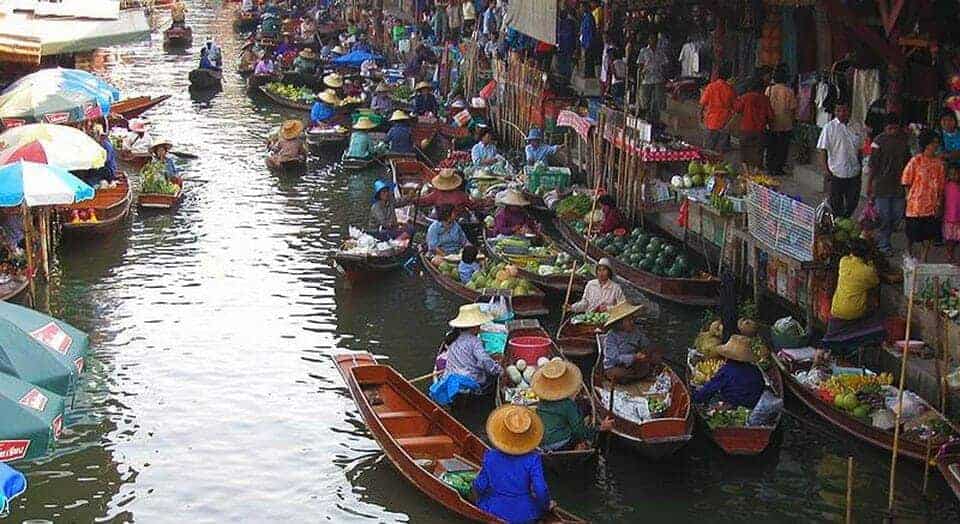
x=514, y=430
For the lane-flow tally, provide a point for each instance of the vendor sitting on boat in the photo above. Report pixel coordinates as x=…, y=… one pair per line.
x=333, y=81
x=361, y=147
x=556, y=384
x=445, y=236
x=178, y=14
x=512, y=218
x=160, y=149
x=854, y=315
x=383, y=213
x=739, y=381
x=448, y=190
x=468, y=263
x=424, y=102
x=465, y=355
x=306, y=62
x=400, y=135
x=612, y=219
x=109, y=170
x=625, y=359
x=248, y=56
x=289, y=145
x=536, y=150
x=381, y=102
x=484, y=152
x=601, y=293
x=511, y=484
x=265, y=66
x=324, y=109
x=138, y=140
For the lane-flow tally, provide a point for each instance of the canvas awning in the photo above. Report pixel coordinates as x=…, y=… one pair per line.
x=25, y=38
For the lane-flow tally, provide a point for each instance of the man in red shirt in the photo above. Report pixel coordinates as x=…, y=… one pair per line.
x=716, y=109
x=755, y=115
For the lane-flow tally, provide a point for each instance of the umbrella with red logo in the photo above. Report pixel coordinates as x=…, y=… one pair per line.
x=32, y=419
x=60, y=146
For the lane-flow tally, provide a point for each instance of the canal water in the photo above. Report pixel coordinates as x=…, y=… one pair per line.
x=211, y=396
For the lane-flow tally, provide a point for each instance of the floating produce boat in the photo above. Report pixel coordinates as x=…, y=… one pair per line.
x=667, y=431
x=103, y=214
x=363, y=264
x=421, y=439
x=202, y=79
x=269, y=90
x=255, y=82
x=861, y=394
x=158, y=193
x=732, y=439
x=177, y=37
x=509, y=390
x=578, y=336
x=528, y=301
x=327, y=138
x=134, y=107
x=948, y=462
x=294, y=166
x=539, y=261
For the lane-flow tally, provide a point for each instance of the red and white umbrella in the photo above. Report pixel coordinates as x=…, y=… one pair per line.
x=60, y=146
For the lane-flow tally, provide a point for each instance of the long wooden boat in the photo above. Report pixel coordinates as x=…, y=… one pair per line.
x=328, y=141
x=948, y=462
x=201, y=79
x=177, y=37
x=283, y=101
x=409, y=176
x=133, y=107
x=909, y=447
x=417, y=435
x=655, y=438
x=556, y=284
x=584, y=400
x=746, y=440
x=110, y=206
x=14, y=287
x=703, y=291
x=255, y=82
x=532, y=305
x=161, y=200
x=578, y=340
x=133, y=159
x=366, y=267
x=295, y=166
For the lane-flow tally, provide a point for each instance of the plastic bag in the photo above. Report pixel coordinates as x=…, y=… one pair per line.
x=912, y=405
x=766, y=410
x=787, y=332
x=869, y=217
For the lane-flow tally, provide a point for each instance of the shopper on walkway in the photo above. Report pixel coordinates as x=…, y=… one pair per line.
x=950, y=153
x=925, y=177
x=589, y=42
x=784, y=104
x=755, y=115
x=716, y=110
x=653, y=61
x=890, y=154
x=839, y=146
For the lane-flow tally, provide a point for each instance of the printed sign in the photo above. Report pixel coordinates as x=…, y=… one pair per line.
x=13, y=122
x=57, y=427
x=34, y=399
x=53, y=337
x=13, y=449
x=61, y=117
x=581, y=125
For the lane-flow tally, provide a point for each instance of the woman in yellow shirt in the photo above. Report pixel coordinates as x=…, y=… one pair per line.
x=854, y=312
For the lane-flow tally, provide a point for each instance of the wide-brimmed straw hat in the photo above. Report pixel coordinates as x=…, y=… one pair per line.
x=333, y=80
x=621, y=311
x=446, y=180
x=379, y=186
x=470, y=316
x=422, y=85
x=737, y=348
x=291, y=129
x=478, y=102
x=364, y=123
x=512, y=197
x=160, y=142
x=308, y=53
x=383, y=87
x=399, y=115
x=557, y=379
x=329, y=96
x=514, y=430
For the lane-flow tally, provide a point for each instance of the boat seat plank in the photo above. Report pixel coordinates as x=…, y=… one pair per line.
x=426, y=440
x=387, y=415
x=436, y=446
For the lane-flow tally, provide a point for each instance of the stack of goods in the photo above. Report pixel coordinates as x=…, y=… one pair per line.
x=596, y=318
x=501, y=276
x=362, y=244
x=542, y=260
x=303, y=95
x=403, y=94
x=574, y=207
x=521, y=378
x=541, y=178
x=154, y=180
x=647, y=252
x=640, y=406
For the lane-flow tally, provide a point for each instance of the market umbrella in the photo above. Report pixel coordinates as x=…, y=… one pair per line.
x=61, y=146
x=43, y=337
x=58, y=96
x=40, y=185
x=32, y=419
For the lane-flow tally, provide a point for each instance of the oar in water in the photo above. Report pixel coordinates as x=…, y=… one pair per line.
x=184, y=155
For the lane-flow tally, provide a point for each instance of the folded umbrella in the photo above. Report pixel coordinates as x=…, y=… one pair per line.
x=61, y=146
x=40, y=185
x=32, y=419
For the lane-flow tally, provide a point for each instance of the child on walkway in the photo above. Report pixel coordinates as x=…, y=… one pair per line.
x=925, y=177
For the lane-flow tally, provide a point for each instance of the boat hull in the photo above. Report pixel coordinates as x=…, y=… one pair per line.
x=524, y=306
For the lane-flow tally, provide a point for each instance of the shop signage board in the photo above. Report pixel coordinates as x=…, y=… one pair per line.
x=535, y=18
x=785, y=225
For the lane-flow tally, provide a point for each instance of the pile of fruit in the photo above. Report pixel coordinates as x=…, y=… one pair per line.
x=154, y=180
x=291, y=92
x=698, y=173
x=704, y=370
x=542, y=260
x=857, y=395
x=574, y=206
x=403, y=93
x=493, y=276
x=725, y=417
x=596, y=318
x=844, y=230
x=521, y=377
x=647, y=252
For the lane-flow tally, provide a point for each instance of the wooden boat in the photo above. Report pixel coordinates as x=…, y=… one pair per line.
x=295, y=166
x=409, y=176
x=584, y=400
x=110, y=206
x=353, y=164
x=655, y=438
x=365, y=267
x=133, y=107
x=255, y=82
x=133, y=159
x=246, y=21
x=703, y=291
x=417, y=435
x=525, y=306
x=556, y=284
x=578, y=340
x=177, y=36
x=909, y=447
x=948, y=462
x=205, y=79
x=14, y=287
x=746, y=440
x=283, y=101
x=330, y=140
x=161, y=200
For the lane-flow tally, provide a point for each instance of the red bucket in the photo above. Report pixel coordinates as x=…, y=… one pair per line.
x=896, y=328
x=529, y=348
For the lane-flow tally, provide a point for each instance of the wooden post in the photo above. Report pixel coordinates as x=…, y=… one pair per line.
x=849, y=516
x=28, y=237
x=45, y=242
x=926, y=469
x=903, y=380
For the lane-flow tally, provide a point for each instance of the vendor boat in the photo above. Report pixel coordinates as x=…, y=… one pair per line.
x=703, y=290
x=948, y=462
x=133, y=107
x=294, y=166
x=911, y=445
x=256, y=82
x=366, y=266
x=578, y=339
x=742, y=440
x=177, y=37
x=411, y=176
x=421, y=439
x=654, y=438
x=103, y=214
x=298, y=80
x=246, y=22
x=13, y=286
x=555, y=283
x=322, y=139
x=162, y=200
x=203, y=79
x=353, y=164
x=134, y=159
x=584, y=400
x=531, y=305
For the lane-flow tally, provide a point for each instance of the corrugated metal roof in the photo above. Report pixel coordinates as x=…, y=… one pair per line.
x=25, y=38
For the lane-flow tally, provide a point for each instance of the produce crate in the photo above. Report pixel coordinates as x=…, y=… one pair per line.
x=554, y=178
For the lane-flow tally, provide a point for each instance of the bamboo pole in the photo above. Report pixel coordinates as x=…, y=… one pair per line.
x=28, y=234
x=849, y=516
x=926, y=469
x=903, y=379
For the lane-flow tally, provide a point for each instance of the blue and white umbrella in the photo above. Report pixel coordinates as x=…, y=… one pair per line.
x=56, y=96
x=40, y=185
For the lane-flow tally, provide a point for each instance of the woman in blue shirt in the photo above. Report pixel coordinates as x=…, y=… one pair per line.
x=511, y=484
x=445, y=236
x=400, y=135
x=626, y=356
x=484, y=152
x=424, y=102
x=739, y=381
x=323, y=109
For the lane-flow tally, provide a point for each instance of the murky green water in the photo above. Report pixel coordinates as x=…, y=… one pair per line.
x=211, y=396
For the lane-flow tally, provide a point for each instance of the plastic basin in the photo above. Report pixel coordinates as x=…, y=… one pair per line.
x=529, y=348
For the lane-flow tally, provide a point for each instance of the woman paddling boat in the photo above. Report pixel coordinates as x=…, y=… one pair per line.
x=288, y=150
x=577, y=334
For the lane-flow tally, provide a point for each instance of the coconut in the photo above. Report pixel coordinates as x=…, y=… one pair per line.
x=747, y=327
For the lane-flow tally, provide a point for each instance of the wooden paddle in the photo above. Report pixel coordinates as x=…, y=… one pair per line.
x=421, y=378
x=184, y=155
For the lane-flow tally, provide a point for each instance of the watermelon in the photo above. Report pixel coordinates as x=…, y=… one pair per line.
x=656, y=243
x=669, y=250
x=675, y=272
x=647, y=264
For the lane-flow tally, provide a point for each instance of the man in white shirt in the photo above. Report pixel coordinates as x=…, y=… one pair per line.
x=839, y=146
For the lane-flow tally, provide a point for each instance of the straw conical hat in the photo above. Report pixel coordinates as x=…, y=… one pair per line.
x=620, y=312
x=446, y=180
x=364, y=123
x=291, y=129
x=308, y=53
x=333, y=80
x=512, y=197
x=514, y=430
x=422, y=85
x=737, y=348
x=329, y=96
x=557, y=379
x=158, y=142
x=470, y=316
x=399, y=115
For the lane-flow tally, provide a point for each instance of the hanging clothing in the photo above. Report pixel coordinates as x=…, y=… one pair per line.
x=823, y=112
x=866, y=90
x=690, y=60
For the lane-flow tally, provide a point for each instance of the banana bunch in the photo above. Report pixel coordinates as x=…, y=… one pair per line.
x=844, y=384
x=704, y=370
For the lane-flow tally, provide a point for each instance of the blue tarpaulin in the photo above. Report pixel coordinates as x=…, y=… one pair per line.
x=444, y=390
x=355, y=58
x=12, y=484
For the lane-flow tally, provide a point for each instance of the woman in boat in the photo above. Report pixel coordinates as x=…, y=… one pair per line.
x=445, y=236
x=448, y=190
x=465, y=355
x=400, y=136
x=289, y=145
x=511, y=485
x=306, y=62
x=556, y=385
x=484, y=152
x=178, y=14
x=739, y=381
x=424, y=102
x=601, y=293
x=265, y=66
x=160, y=149
x=512, y=218
x=361, y=147
x=109, y=170
x=210, y=56
x=536, y=150
x=324, y=109
x=248, y=56
x=383, y=213
x=625, y=359
x=381, y=103
x=612, y=219
x=138, y=140
x=854, y=315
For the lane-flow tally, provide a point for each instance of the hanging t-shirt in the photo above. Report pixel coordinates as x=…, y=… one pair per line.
x=690, y=60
